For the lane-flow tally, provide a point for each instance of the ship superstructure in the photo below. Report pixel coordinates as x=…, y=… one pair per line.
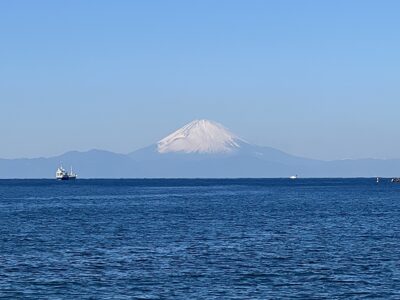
x=62, y=174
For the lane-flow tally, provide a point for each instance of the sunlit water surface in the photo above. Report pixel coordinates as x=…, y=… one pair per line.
x=200, y=239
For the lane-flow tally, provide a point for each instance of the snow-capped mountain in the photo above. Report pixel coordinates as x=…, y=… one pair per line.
x=199, y=149
x=200, y=136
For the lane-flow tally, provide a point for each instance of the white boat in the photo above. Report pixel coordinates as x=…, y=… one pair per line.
x=62, y=174
x=293, y=177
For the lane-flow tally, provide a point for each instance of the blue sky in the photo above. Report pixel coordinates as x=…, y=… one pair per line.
x=314, y=78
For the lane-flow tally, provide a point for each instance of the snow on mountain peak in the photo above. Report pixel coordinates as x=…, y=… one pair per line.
x=200, y=136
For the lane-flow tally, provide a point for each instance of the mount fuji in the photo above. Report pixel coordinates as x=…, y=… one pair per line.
x=200, y=136
x=206, y=148
x=200, y=149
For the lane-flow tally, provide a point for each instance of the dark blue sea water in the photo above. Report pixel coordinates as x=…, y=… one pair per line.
x=200, y=239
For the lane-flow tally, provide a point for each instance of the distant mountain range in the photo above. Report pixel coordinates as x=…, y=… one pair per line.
x=200, y=149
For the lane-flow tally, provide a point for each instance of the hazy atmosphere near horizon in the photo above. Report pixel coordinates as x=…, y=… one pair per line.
x=317, y=79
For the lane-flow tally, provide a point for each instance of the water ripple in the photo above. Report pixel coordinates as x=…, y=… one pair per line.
x=218, y=239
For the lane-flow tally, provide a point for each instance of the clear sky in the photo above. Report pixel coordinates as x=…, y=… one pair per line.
x=319, y=79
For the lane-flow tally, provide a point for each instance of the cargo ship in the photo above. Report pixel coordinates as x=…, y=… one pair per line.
x=62, y=174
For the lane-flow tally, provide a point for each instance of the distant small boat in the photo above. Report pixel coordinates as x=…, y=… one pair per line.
x=61, y=174
x=377, y=179
x=293, y=177
x=395, y=180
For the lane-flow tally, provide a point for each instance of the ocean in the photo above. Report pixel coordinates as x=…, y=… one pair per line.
x=200, y=239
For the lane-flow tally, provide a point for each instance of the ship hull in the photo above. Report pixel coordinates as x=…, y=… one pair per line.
x=67, y=178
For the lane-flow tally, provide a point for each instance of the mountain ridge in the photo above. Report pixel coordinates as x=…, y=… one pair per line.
x=199, y=149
